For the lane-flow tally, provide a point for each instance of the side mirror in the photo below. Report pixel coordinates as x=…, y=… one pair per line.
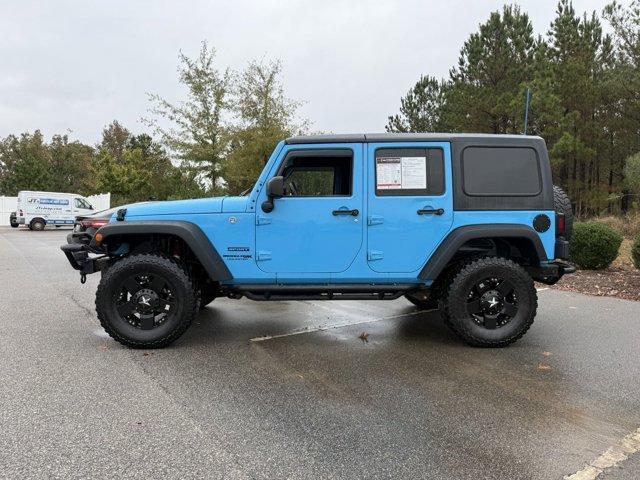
x=275, y=189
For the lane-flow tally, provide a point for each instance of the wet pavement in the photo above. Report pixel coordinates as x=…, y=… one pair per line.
x=315, y=399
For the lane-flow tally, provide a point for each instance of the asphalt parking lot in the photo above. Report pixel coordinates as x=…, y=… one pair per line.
x=307, y=398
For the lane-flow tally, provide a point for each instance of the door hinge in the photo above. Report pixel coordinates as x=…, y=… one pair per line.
x=263, y=255
x=375, y=220
x=262, y=220
x=375, y=255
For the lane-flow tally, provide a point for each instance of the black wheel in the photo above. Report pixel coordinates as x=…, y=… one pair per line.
x=490, y=302
x=562, y=205
x=207, y=294
x=146, y=301
x=37, y=224
x=14, y=225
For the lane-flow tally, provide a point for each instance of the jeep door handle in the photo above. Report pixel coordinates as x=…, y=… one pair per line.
x=431, y=211
x=354, y=213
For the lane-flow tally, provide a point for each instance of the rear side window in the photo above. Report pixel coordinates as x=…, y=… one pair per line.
x=409, y=171
x=318, y=173
x=501, y=171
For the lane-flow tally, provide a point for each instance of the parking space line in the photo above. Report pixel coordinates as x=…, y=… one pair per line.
x=323, y=328
x=611, y=457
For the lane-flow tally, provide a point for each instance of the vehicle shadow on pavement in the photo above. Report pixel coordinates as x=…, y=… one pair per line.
x=217, y=324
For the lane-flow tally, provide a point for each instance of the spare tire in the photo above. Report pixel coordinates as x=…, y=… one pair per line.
x=563, y=205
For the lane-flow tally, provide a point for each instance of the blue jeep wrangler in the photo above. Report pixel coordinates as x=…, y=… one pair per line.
x=463, y=223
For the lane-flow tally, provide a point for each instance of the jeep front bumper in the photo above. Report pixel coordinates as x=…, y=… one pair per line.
x=78, y=253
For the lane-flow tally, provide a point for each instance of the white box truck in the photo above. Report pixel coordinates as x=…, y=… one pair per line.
x=36, y=210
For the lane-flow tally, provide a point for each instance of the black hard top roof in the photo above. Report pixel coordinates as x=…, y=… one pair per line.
x=401, y=137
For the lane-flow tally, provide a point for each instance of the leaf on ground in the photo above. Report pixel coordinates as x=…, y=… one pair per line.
x=547, y=354
x=104, y=348
x=146, y=354
x=364, y=336
x=544, y=367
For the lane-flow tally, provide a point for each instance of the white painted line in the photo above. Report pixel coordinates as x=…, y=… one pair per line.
x=610, y=458
x=542, y=289
x=322, y=328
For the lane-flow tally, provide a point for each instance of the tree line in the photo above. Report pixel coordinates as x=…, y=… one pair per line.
x=215, y=141
x=585, y=102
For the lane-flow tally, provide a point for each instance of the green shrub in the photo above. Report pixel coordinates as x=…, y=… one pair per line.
x=635, y=252
x=594, y=245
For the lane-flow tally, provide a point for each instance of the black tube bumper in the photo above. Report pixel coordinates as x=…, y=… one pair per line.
x=77, y=252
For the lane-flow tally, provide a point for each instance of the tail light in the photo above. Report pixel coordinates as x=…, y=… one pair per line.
x=94, y=222
x=561, y=226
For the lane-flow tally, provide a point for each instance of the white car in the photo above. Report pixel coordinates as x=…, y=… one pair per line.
x=39, y=209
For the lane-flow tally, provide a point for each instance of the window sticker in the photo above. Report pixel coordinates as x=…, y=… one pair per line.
x=394, y=173
x=388, y=173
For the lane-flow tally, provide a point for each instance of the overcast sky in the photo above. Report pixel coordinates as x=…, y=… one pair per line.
x=77, y=65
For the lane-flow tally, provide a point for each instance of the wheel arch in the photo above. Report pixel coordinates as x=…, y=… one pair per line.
x=522, y=237
x=190, y=233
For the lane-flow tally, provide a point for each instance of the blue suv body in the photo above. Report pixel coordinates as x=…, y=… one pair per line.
x=344, y=217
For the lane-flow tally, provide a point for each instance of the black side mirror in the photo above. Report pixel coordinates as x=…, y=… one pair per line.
x=275, y=189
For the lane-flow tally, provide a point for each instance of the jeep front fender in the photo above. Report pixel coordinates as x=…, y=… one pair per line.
x=189, y=232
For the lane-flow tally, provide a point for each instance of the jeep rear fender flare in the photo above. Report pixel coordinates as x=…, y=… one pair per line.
x=189, y=232
x=458, y=237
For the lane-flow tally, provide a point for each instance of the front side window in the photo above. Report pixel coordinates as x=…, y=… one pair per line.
x=326, y=173
x=81, y=203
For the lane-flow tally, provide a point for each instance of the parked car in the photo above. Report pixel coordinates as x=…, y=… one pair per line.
x=463, y=223
x=39, y=209
x=13, y=220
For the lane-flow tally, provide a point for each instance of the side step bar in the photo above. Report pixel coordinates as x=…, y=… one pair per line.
x=272, y=292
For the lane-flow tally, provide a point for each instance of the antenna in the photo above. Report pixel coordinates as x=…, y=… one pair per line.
x=526, y=110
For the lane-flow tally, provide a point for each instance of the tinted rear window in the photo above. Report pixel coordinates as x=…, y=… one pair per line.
x=501, y=171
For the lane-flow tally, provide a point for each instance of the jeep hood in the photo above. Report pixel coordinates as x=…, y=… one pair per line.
x=185, y=207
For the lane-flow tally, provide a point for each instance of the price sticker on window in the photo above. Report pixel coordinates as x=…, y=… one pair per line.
x=401, y=173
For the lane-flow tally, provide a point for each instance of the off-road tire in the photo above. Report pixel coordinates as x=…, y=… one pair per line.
x=176, y=276
x=14, y=224
x=37, y=224
x=562, y=204
x=459, y=286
